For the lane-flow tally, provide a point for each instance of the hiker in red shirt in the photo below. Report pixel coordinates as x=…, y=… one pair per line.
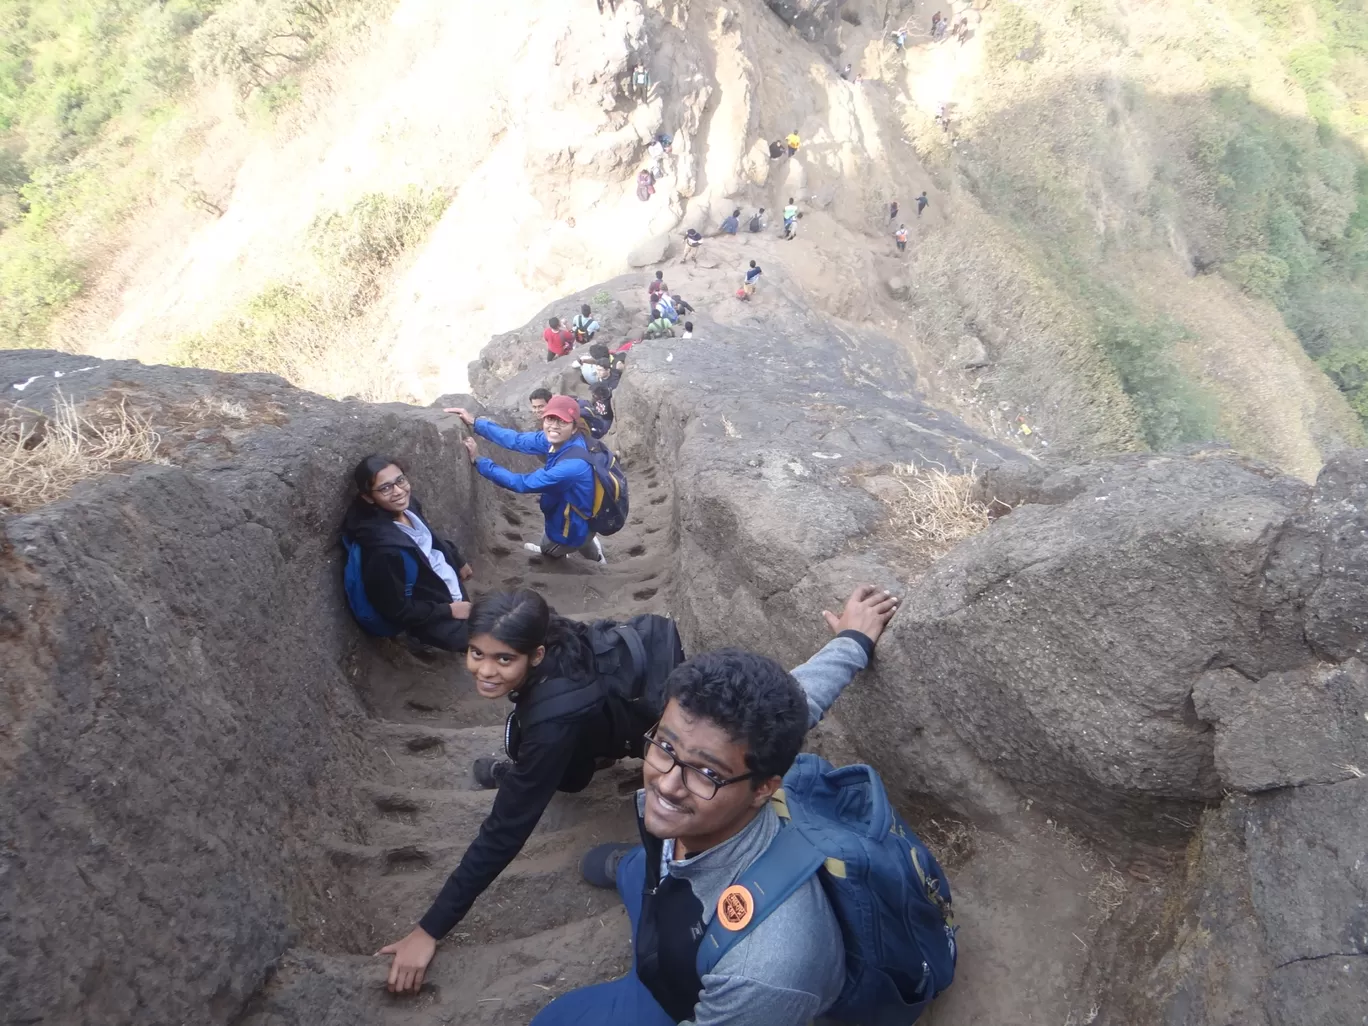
x=559, y=341
x=657, y=288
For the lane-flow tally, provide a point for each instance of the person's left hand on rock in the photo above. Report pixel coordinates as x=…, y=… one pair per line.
x=472, y=449
x=461, y=412
x=868, y=611
x=466, y=572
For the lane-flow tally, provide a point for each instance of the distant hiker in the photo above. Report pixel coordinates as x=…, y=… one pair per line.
x=681, y=306
x=937, y=25
x=790, y=218
x=583, y=326
x=593, y=368
x=641, y=81
x=598, y=411
x=660, y=326
x=776, y=149
x=692, y=243
x=900, y=38
x=961, y=30
x=752, y=276
x=612, y=6
x=657, y=288
x=538, y=400
x=793, y=142
x=645, y=185
x=559, y=341
x=847, y=73
x=866, y=935
x=893, y=211
x=399, y=576
x=688, y=330
x=578, y=705
x=731, y=224
x=900, y=236
x=666, y=308
x=567, y=484
x=616, y=364
x=656, y=151
x=757, y=223
x=922, y=203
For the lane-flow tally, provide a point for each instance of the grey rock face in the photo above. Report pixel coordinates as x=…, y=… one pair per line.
x=1305, y=726
x=180, y=730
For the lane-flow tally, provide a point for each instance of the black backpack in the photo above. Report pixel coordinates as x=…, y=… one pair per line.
x=631, y=660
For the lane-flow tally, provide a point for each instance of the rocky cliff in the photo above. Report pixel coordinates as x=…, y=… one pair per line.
x=1129, y=714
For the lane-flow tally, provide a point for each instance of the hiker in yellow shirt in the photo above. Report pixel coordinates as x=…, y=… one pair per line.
x=793, y=143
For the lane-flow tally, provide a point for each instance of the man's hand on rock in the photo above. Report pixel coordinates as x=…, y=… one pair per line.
x=464, y=414
x=411, y=958
x=460, y=610
x=472, y=449
x=868, y=611
x=466, y=572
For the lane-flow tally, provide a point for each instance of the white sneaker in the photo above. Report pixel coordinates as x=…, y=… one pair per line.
x=598, y=547
x=532, y=547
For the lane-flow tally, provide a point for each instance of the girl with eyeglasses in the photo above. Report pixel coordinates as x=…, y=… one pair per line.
x=387, y=522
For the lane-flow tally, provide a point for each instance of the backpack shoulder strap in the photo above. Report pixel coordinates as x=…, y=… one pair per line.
x=784, y=867
x=557, y=697
x=632, y=640
x=410, y=572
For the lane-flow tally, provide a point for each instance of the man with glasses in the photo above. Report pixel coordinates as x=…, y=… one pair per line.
x=732, y=725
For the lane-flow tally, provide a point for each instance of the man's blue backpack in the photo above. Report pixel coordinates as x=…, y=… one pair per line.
x=609, y=514
x=890, y=895
x=371, y=622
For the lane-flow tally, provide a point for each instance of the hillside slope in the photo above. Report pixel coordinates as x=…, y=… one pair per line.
x=1129, y=207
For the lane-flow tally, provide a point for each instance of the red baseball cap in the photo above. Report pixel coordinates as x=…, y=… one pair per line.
x=562, y=407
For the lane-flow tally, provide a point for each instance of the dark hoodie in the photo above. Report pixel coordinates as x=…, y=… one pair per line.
x=426, y=613
x=554, y=754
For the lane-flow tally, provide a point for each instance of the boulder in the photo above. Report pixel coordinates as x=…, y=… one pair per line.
x=898, y=288
x=165, y=635
x=1268, y=926
x=1308, y=725
x=1337, y=607
x=1064, y=643
x=650, y=252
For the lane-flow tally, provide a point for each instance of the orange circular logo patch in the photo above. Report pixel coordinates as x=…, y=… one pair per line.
x=735, y=907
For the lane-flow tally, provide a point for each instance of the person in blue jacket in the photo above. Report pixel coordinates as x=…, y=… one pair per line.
x=566, y=482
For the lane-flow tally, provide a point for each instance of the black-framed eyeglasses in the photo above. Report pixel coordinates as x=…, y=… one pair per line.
x=389, y=486
x=700, y=781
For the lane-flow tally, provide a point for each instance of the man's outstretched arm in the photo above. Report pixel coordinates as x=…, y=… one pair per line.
x=857, y=630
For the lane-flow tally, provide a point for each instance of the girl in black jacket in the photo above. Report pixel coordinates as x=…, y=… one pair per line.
x=520, y=649
x=387, y=522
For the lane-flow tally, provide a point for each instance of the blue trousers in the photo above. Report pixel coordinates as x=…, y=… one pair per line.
x=624, y=1002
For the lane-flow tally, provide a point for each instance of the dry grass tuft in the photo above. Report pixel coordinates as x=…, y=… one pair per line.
x=952, y=841
x=43, y=457
x=939, y=506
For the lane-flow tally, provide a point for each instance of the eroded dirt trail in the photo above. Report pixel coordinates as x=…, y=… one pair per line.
x=539, y=930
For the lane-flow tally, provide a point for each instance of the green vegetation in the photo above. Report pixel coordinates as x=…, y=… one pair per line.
x=1014, y=36
x=86, y=86
x=1295, y=201
x=295, y=328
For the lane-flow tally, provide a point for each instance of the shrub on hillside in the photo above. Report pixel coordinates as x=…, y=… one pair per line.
x=1014, y=36
x=1259, y=274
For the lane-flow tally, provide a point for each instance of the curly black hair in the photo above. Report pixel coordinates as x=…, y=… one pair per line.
x=754, y=699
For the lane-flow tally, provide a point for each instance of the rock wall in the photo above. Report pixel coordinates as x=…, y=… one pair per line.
x=179, y=729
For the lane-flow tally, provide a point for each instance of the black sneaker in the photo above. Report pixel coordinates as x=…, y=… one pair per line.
x=489, y=771
x=600, y=863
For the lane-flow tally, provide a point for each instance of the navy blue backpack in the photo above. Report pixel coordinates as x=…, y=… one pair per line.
x=890, y=895
x=372, y=622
